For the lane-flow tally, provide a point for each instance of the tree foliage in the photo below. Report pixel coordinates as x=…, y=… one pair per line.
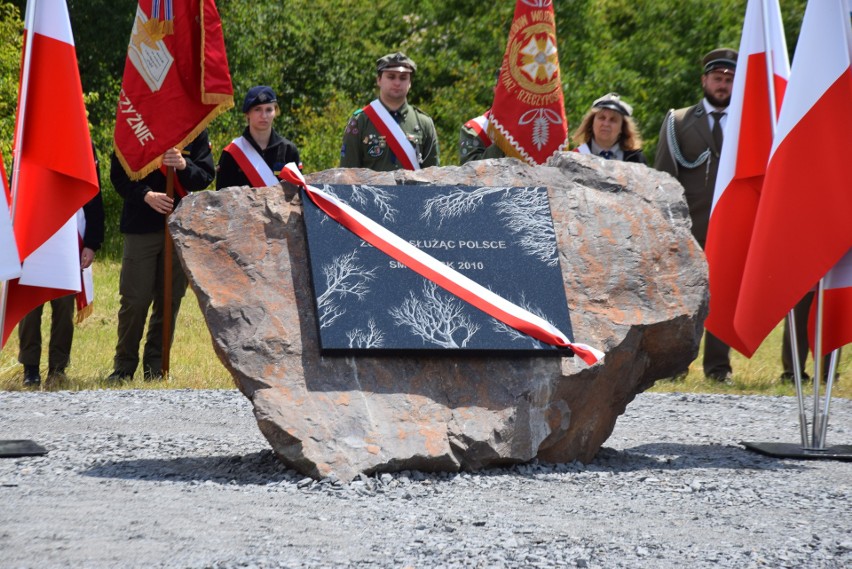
x=319, y=56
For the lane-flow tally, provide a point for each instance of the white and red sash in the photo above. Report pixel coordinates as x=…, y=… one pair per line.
x=479, y=125
x=438, y=272
x=251, y=163
x=396, y=139
x=583, y=149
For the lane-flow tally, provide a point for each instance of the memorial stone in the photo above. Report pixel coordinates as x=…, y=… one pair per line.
x=634, y=278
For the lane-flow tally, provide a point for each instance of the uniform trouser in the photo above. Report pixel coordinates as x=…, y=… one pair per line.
x=717, y=356
x=140, y=286
x=61, y=334
x=801, y=311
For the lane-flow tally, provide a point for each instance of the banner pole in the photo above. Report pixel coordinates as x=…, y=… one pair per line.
x=791, y=317
x=167, y=279
x=832, y=370
x=819, y=417
x=797, y=377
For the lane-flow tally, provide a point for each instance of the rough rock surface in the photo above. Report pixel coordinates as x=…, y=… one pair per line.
x=635, y=281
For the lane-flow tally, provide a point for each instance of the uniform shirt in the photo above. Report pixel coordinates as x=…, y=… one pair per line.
x=136, y=215
x=277, y=153
x=364, y=147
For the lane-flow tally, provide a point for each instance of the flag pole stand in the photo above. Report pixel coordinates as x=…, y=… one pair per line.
x=814, y=449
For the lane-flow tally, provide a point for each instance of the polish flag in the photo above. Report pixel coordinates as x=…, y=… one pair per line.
x=802, y=225
x=837, y=306
x=745, y=153
x=54, y=165
x=10, y=263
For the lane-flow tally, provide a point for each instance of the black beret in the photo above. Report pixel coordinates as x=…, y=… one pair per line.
x=259, y=95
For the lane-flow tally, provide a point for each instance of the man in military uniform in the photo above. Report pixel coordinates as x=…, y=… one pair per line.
x=689, y=149
x=389, y=134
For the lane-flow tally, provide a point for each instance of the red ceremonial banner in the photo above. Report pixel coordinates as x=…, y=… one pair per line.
x=528, y=115
x=174, y=83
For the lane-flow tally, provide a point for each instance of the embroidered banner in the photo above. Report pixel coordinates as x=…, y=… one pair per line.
x=528, y=115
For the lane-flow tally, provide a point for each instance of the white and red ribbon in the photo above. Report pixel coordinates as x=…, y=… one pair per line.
x=396, y=139
x=251, y=163
x=437, y=272
x=479, y=125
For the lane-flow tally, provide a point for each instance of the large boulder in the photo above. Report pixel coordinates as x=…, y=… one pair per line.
x=636, y=283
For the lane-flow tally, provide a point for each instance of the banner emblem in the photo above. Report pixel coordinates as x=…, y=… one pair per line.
x=148, y=53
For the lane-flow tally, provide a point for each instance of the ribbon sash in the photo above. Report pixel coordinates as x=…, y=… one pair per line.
x=251, y=163
x=396, y=139
x=479, y=125
x=437, y=272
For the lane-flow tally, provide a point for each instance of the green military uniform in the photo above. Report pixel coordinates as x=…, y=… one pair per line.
x=472, y=148
x=364, y=147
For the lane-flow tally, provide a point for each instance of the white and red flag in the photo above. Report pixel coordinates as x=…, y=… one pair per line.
x=802, y=227
x=10, y=263
x=176, y=80
x=50, y=181
x=528, y=115
x=837, y=308
x=745, y=154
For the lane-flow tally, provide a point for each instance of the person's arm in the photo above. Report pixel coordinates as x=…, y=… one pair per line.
x=664, y=161
x=429, y=147
x=471, y=146
x=228, y=172
x=131, y=191
x=350, y=152
x=200, y=170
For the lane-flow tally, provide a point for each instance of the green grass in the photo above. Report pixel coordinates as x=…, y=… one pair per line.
x=195, y=365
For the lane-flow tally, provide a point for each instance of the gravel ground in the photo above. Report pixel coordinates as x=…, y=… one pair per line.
x=185, y=479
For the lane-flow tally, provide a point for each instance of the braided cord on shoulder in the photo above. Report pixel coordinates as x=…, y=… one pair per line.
x=675, y=148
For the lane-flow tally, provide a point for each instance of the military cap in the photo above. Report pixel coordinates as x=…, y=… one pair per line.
x=613, y=101
x=724, y=59
x=259, y=95
x=395, y=62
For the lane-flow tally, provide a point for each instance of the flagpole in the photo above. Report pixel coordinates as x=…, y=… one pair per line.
x=819, y=417
x=29, y=22
x=167, y=279
x=791, y=317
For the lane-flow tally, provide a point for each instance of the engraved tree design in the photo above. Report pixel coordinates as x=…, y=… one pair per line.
x=525, y=212
x=517, y=335
x=372, y=337
x=343, y=276
x=435, y=317
x=364, y=196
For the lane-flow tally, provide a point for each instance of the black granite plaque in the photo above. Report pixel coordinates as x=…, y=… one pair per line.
x=502, y=238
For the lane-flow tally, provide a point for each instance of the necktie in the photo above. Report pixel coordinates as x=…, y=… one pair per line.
x=606, y=154
x=717, y=128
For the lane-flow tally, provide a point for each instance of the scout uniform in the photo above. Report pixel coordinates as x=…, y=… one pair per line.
x=365, y=143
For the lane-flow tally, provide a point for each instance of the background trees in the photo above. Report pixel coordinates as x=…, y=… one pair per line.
x=319, y=56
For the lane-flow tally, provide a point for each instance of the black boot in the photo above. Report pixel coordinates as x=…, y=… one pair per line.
x=31, y=376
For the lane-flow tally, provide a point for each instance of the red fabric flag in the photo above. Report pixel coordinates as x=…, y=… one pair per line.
x=802, y=225
x=51, y=181
x=174, y=83
x=837, y=308
x=528, y=115
x=745, y=153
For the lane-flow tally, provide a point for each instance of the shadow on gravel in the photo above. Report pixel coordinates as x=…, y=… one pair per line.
x=259, y=468
x=676, y=456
